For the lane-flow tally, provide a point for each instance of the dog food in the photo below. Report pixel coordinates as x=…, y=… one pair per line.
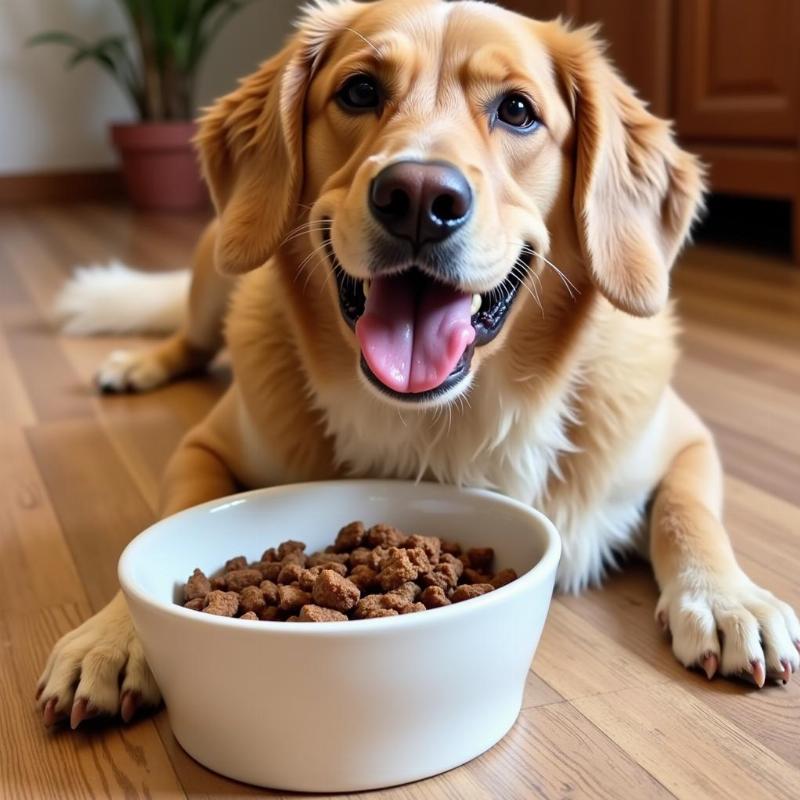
x=365, y=573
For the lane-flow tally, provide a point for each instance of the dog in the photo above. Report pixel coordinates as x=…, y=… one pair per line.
x=442, y=248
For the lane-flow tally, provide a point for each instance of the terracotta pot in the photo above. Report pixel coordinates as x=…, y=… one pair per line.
x=160, y=165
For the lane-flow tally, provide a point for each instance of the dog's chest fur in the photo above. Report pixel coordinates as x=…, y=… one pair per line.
x=497, y=442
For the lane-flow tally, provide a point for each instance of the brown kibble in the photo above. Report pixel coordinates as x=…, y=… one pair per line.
x=382, y=612
x=366, y=573
x=467, y=591
x=270, y=614
x=430, y=544
x=481, y=558
x=295, y=557
x=240, y=562
x=419, y=558
x=434, y=597
x=504, y=577
x=323, y=558
x=269, y=555
x=331, y=590
x=473, y=576
x=307, y=578
x=361, y=557
x=455, y=562
x=383, y=535
x=312, y=613
x=377, y=557
x=290, y=546
x=451, y=548
x=270, y=570
x=290, y=573
x=292, y=597
x=266, y=568
x=251, y=598
x=198, y=586
x=237, y=579
x=270, y=592
x=336, y=566
x=222, y=604
x=363, y=577
x=409, y=590
x=349, y=537
x=396, y=601
x=396, y=569
x=372, y=606
x=443, y=574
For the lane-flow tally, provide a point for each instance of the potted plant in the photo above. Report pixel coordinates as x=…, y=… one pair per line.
x=156, y=67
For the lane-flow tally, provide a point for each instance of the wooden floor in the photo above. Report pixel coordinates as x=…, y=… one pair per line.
x=608, y=712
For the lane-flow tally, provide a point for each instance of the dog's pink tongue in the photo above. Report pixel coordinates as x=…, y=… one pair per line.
x=413, y=336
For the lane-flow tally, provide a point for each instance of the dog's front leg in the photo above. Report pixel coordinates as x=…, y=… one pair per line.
x=719, y=619
x=99, y=668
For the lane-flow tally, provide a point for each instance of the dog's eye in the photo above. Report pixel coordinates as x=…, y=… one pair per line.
x=360, y=93
x=516, y=111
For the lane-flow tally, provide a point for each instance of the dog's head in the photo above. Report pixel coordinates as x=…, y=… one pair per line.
x=433, y=156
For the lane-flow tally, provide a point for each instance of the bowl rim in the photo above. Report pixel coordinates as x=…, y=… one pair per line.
x=546, y=565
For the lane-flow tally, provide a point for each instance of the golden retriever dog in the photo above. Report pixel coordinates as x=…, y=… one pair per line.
x=454, y=229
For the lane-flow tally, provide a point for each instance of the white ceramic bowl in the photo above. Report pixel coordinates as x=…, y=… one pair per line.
x=339, y=707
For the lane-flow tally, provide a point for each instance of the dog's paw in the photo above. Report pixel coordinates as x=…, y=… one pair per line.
x=128, y=371
x=731, y=625
x=98, y=669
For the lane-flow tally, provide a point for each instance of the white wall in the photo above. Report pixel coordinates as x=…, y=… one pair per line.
x=51, y=119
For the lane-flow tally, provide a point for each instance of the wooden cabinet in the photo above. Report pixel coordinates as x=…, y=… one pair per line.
x=738, y=70
x=727, y=71
x=639, y=33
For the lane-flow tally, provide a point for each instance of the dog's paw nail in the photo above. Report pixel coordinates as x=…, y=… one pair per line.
x=759, y=673
x=49, y=712
x=787, y=670
x=39, y=690
x=82, y=709
x=661, y=618
x=129, y=705
x=710, y=665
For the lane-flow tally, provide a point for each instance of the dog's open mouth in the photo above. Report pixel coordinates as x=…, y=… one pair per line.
x=417, y=334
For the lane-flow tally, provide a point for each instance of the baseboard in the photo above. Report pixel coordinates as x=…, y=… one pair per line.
x=73, y=186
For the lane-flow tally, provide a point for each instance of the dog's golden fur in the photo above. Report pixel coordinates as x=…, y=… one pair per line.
x=570, y=408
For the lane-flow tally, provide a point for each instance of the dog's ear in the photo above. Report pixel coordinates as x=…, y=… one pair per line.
x=636, y=192
x=251, y=144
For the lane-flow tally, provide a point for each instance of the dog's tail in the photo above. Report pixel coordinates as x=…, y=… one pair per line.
x=116, y=299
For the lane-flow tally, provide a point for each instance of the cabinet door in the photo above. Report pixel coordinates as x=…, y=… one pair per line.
x=639, y=33
x=737, y=69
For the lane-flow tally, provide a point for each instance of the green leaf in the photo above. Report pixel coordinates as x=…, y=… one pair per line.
x=55, y=37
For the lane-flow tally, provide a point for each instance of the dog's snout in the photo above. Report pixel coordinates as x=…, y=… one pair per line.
x=421, y=201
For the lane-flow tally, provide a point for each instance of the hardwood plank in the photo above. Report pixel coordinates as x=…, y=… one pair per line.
x=15, y=405
x=82, y=472
x=49, y=381
x=693, y=751
x=555, y=752
x=537, y=691
x=99, y=760
x=570, y=642
x=36, y=567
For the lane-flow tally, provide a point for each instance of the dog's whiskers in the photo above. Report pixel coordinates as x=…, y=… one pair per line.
x=570, y=286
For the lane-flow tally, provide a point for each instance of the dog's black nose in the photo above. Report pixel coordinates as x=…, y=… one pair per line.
x=421, y=201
